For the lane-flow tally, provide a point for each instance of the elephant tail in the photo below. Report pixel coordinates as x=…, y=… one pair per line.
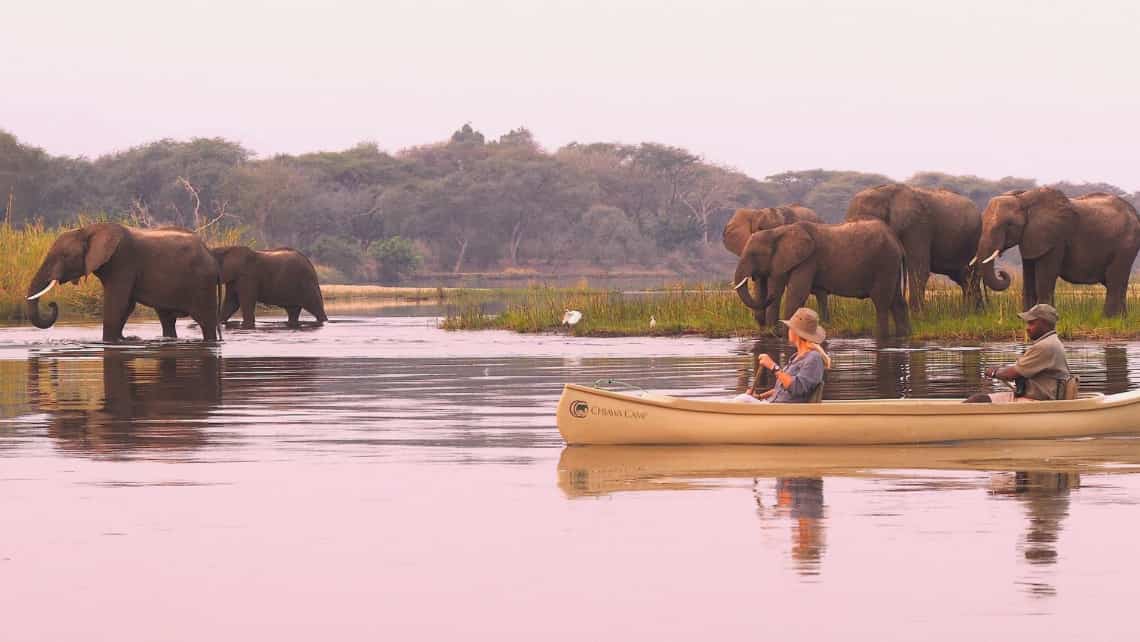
x=220, y=304
x=904, y=282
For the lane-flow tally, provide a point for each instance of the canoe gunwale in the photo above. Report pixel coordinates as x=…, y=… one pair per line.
x=1092, y=402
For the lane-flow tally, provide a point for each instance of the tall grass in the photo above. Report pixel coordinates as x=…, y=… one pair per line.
x=719, y=313
x=22, y=249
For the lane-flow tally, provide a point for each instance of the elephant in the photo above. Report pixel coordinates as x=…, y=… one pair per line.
x=168, y=269
x=938, y=228
x=859, y=259
x=1088, y=239
x=282, y=277
x=744, y=223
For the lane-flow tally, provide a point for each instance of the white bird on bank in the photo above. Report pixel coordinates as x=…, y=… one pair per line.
x=652, y=322
x=572, y=317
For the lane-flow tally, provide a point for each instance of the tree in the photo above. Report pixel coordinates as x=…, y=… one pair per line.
x=395, y=257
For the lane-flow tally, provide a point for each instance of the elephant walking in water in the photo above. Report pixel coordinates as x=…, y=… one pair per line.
x=282, y=277
x=1089, y=239
x=862, y=259
x=938, y=229
x=743, y=224
x=168, y=269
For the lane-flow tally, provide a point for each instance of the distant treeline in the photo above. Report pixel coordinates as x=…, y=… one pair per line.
x=463, y=204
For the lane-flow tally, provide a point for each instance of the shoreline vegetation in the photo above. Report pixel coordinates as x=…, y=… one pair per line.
x=679, y=309
x=717, y=312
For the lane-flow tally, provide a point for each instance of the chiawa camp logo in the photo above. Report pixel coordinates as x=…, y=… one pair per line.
x=579, y=409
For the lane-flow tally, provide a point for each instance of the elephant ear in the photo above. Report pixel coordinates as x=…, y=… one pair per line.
x=793, y=246
x=738, y=229
x=906, y=208
x=1049, y=220
x=233, y=261
x=102, y=241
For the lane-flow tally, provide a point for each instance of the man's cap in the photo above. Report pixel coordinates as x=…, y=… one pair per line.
x=806, y=324
x=1042, y=311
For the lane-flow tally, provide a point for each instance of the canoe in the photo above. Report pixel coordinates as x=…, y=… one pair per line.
x=589, y=415
x=585, y=471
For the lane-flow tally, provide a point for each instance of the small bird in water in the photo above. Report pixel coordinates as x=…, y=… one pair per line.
x=652, y=322
x=572, y=317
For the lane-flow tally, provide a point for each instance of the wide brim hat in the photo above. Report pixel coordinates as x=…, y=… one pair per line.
x=806, y=324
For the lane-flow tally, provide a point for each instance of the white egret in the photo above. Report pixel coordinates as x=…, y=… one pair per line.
x=572, y=317
x=652, y=322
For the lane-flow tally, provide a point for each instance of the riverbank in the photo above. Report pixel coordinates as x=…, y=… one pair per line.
x=719, y=313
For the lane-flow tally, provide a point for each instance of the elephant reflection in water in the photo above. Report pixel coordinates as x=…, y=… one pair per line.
x=1115, y=370
x=126, y=400
x=1046, y=498
x=801, y=500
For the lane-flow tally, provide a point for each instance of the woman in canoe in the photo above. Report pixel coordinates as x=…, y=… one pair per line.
x=804, y=373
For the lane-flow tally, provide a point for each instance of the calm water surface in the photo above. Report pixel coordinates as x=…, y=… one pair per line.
x=378, y=477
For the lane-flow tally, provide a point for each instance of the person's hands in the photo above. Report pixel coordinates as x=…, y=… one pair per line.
x=766, y=361
x=990, y=372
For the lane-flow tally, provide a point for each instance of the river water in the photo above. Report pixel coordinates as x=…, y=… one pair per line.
x=379, y=477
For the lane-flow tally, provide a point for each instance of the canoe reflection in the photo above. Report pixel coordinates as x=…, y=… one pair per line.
x=117, y=401
x=600, y=470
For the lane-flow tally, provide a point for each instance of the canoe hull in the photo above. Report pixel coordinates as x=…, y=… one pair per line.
x=593, y=416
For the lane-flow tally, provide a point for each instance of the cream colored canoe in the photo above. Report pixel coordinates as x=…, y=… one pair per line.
x=594, y=416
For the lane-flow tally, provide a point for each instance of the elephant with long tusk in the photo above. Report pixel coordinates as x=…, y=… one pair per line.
x=168, y=269
x=1088, y=239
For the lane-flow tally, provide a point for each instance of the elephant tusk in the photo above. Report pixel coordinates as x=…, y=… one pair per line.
x=992, y=256
x=742, y=282
x=43, y=291
x=973, y=261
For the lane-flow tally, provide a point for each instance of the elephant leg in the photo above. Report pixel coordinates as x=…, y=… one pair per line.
x=824, y=311
x=1116, y=285
x=1045, y=277
x=230, y=305
x=247, y=298
x=117, y=306
x=166, y=318
x=901, y=315
x=316, y=305
x=204, y=311
x=799, y=287
x=1028, y=284
x=777, y=285
x=918, y=272
x=294, y=312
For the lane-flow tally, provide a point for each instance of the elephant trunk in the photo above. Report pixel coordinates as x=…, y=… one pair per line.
x=740, y=281
x=43, y=281
x=988, y=251
x=994, y=278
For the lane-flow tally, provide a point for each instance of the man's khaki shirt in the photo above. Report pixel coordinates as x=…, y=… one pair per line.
x=1043, y=365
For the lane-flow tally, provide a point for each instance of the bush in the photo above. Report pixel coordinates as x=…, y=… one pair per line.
x=340, y=253
x=396, y=257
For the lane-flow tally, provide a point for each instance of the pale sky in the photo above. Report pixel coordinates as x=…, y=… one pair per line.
x=1038, y=89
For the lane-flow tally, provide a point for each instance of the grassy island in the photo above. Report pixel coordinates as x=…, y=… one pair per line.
x=718, y=312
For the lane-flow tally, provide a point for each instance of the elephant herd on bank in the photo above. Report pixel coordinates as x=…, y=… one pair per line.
x=895, y=236
x=172, y=270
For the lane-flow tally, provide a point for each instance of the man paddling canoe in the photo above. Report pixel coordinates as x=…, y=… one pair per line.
x=804, y=373
x=1041, y=370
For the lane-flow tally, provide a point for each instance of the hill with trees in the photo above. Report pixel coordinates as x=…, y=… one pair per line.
x=467, y=203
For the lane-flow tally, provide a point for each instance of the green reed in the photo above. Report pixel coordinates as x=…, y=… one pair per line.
x=717, y=312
